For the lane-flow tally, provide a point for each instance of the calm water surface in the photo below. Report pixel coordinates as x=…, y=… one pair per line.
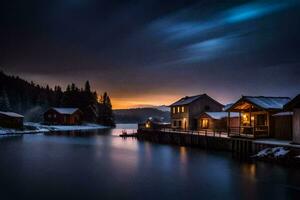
x=104, y=166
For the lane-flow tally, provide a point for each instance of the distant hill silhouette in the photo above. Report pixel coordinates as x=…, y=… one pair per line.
x=139, y=115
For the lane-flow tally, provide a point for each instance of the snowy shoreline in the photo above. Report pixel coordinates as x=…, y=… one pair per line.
x=32, y=128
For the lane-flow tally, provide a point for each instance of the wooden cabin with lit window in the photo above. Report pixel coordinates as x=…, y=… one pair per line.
x=154, y=124
x=255, y=114
x=216, y=121
x=185, y=112
x=294, y=106
x=63, y=116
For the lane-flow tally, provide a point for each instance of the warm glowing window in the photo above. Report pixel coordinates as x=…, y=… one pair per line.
x=174, y=110
x=204, y=123
x=178, y=109
x=182, y=109
x=246, y=119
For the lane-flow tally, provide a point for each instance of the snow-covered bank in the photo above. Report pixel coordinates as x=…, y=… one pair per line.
x=276, y=152
x=30, y=127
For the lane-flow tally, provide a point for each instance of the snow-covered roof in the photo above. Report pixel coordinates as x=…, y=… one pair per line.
x=187, y=100
x=227, y=106
x=12, y=114
x=65, y=111
x=283, y=114
x=220, y=115
x=267, y=103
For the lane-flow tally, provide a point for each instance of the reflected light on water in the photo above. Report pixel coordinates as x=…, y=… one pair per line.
x=126, y=144
x=183, y=161
x=249, y=170
x=183, y=155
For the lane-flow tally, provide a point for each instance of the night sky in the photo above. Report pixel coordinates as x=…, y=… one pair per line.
x=154, y=52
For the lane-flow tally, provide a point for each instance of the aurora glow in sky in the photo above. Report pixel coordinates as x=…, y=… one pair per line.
x=154, y=52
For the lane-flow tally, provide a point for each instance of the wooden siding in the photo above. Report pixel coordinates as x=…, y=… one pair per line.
x=54, y=117
x=193, y=110
x=11, y=122
x=283, y=127
x=296, y=126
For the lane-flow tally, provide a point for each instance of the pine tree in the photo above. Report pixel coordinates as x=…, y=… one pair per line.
x=87, y=87
x=105, y=114
x=4, y=101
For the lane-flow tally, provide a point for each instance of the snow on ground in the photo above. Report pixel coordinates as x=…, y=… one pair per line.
x=280, y=152
x=276, y=152
x=30, y=127
x=65, y=127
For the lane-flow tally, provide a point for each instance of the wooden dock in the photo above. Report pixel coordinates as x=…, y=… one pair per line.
x=239, y=147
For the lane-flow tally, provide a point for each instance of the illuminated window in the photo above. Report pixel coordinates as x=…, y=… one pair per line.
x=147, y=125
x=246, y=119
x=178, y=109
x=174, y=110
x=204, y=123
x=182, y=109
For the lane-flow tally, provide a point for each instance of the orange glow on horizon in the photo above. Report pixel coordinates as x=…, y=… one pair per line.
x=148, y=101
x=125, y=103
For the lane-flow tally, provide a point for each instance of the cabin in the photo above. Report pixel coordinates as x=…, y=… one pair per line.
x=11, y=120
x=294, y=106
x=185, y=112
x=63, y=116
x=255, y=114
x=154, y=124
x=216, y=121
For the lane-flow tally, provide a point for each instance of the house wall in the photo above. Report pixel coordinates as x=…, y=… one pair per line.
x=283, y=127
x=211, y=123
x=192, y=111
x=183, y=117
x=296, y=125
x=204, y=104
x=11, y=122
x=234, y=121
x=61, y=119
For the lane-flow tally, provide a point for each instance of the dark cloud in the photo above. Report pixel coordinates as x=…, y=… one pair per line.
x=134, y=48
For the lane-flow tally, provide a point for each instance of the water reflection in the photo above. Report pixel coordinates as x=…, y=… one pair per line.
x=101, y=165
x=249, y=170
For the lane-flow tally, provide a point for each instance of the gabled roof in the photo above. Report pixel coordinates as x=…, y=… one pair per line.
x=262, y=102
x=190, y=99
x=294, y=103
x=219, y=115
x=65, y=111
x=227, y=106
x=12, y=114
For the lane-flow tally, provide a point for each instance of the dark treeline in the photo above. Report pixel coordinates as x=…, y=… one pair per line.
x=32, y=100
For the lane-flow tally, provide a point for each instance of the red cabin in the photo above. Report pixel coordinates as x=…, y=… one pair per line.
x=64, y=116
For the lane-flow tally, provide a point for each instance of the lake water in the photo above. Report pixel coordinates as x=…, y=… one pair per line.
x=101, y=165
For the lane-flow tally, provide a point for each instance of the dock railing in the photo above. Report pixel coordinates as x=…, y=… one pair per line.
x=202, y=132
